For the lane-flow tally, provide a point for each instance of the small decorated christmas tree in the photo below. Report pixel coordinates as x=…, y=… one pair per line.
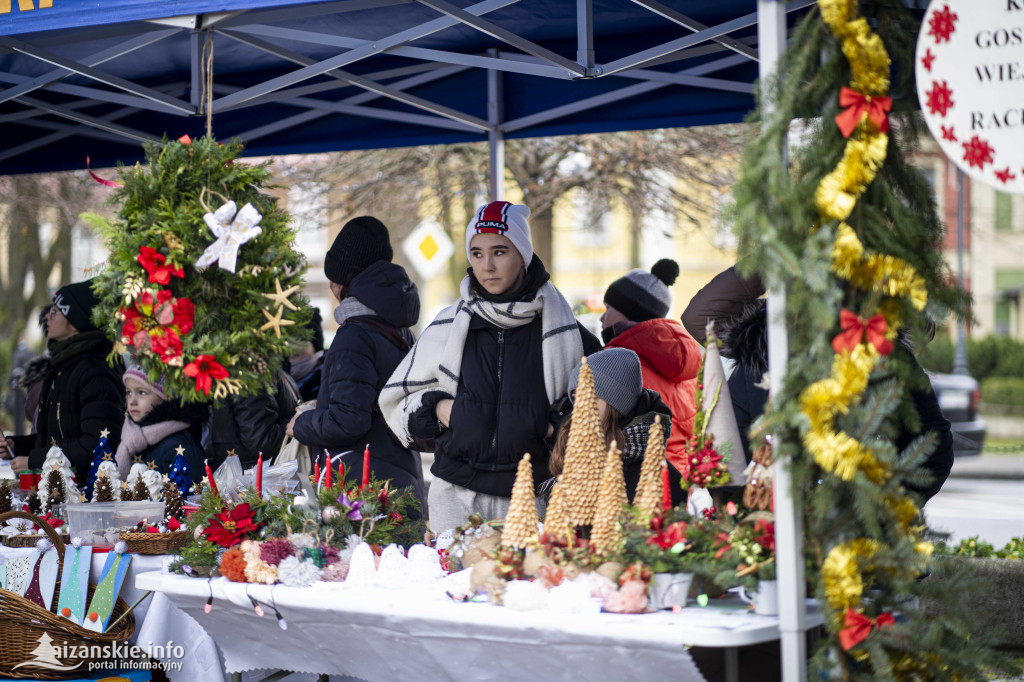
x=127, y=493
x=140, y=491
x=102, y=448
x=574, y=498
x=181, y=472
x=607, y=535
x=648, y=495
x=521, y=521
x=34, y=504
x=5, y=496
x=103, y=491
x=172, y=501
x=56, y=492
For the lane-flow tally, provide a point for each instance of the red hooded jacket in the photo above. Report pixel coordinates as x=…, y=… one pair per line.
x=669, y=359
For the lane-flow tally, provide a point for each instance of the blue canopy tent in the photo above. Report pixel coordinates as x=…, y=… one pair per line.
x=85, y=78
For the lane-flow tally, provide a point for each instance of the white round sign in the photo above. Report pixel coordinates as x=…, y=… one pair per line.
x=970, y=82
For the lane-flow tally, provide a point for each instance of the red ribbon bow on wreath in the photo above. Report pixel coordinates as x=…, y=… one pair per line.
x=856, y=327
x=855, y=104
x=858, y=627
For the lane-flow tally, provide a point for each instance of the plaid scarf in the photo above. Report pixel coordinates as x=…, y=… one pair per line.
x=435, y=362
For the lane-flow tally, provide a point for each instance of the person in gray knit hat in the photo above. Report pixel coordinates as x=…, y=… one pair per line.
x=627, y=412
x=637, y=304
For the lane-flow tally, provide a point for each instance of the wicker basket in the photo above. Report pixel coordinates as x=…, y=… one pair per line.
x=155, y=543
x=26, y=623
x=23, y=541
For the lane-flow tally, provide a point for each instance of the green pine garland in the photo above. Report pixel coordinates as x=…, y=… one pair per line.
x=152, y=291
x=782, y=238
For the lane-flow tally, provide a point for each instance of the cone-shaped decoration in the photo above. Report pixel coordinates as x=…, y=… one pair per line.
x=585, y=452
x=556, y=521
x=521, y=521
x=721, y=420
x=648, y=489
x=606, y=537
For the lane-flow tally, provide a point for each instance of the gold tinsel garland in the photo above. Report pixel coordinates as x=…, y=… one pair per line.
x=837, y=452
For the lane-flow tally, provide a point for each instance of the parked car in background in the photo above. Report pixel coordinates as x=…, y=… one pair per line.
x=959, y=397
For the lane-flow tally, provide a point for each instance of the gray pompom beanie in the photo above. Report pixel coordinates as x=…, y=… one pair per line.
x=618, y=379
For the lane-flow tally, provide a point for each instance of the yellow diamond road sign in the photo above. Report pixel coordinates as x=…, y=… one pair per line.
x=428, y=248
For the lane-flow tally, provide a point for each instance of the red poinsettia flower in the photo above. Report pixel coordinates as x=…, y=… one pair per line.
x=204, y=370
x=166, y=343
x=670, y=537
x=184, y=315
x=132, y=325
x=231, y=526
x=764, y=534
x=155, y=263
x=52, y=521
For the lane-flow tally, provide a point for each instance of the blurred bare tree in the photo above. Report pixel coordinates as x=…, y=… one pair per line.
x=662, y=171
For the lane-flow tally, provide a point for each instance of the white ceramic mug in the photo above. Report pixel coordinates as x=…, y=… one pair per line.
x=764, y=597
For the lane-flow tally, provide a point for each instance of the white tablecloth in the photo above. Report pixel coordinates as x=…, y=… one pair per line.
x=379, y=634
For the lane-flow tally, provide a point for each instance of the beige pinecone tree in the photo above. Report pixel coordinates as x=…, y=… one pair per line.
x=521, y=521
x=556, y=520
x=127, y=494
x=648, y=489
x=585, y=454
x=606, y=537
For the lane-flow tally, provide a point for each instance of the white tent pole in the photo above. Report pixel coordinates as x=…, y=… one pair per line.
x=495, y=138
x=771, y=33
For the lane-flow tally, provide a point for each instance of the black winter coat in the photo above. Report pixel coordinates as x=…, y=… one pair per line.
x=249, y=426
x=365, y=352
x=732, y=301
x=82, y=395
x=501, y=409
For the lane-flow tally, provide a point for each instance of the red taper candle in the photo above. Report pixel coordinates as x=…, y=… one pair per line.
x=341, y=473
x=259, y=474
x=316, y=472
x=366, y=467
x=209, y=476
x=327, y=472
x=666, y=488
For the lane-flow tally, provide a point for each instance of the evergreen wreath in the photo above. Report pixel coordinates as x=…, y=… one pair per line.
x=220, y=328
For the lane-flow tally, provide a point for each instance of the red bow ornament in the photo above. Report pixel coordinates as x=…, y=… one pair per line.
x=856, y=104
x=856, y=327
x=858, y=627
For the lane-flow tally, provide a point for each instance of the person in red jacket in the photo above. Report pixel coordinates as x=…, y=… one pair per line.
x=637, y=304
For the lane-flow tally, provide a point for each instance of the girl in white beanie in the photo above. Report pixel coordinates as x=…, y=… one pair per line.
x=483, y=377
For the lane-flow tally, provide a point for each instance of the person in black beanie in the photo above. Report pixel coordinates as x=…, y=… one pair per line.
x=377, y=303
x=82, y=396
x=636, y=306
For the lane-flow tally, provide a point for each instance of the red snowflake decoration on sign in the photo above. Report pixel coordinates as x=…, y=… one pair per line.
x=978, y=152
x=927, y=59
x=942, y=24
x=948, y=134
x=1005, y=175
x=940, y=98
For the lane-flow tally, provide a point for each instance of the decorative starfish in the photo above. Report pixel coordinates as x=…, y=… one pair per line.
x=232, y=453
x=104, y=433
x=137, y=459
x=180, y=450
x=108, y=456
x=280, y=298
x=275, y=321
x=152, y=464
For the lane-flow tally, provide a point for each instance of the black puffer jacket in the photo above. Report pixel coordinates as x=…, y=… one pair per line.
x=365, y=352
x=501, y=409
x=252, y=425
x=732, y=301
x=82, y=395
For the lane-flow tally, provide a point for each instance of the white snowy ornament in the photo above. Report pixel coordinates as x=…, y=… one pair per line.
x=232, y=228
x=138, y=468
x=154, y=481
